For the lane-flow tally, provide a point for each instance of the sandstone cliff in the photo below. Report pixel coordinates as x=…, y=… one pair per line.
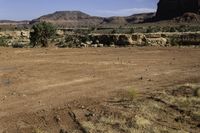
x=168, y=9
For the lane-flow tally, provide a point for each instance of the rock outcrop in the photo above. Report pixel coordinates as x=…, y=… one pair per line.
x=168, y=9
x=136, y=39
x=16, y=38
x=11, y=38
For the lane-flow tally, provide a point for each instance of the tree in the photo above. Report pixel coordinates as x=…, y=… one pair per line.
x=41, y=33
x=114, y=31
x=149, y=29
x=132, y=31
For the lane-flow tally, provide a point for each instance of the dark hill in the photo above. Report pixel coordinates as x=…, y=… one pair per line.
x=70, y=19
x=80, y=19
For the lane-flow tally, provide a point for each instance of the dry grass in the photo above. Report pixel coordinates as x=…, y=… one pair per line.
x=37, y=130
x=132, y=93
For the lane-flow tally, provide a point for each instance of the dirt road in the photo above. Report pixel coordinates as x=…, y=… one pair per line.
x=38, y=84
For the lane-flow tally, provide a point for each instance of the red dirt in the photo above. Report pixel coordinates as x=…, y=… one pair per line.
x=37, y=86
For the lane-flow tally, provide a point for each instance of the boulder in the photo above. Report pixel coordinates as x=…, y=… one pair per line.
x=84, y=45
x=100, y=45
x=156, y=41
x=94, y=45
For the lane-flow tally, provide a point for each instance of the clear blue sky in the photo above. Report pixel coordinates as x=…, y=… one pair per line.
x=29, y=9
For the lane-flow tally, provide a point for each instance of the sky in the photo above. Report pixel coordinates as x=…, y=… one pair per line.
x=31, y=9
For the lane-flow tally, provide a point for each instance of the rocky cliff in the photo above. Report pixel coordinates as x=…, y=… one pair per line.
x=168, y=9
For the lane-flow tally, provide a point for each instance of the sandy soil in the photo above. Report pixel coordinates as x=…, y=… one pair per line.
x=74, y=90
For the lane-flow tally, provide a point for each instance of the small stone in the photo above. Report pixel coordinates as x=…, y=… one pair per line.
x=149, y=80
x=88, y=114
x=13, y=93
x=4, y=98
x=57, y=118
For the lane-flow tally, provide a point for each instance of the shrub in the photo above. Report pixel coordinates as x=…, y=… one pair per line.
x=172, y=29
x=41, y=33
x=132, y=31
x=149, y=29
x=17, y=45
x=3, y=42
x=132, y=94
x=114, y=31
x=72, y=41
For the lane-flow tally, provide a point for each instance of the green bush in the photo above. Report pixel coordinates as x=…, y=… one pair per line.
x=149, y=29
x=172, y=29
x=3, y=42
x=132, y=30
x=114, y=31
x=41, y=33
x=17, y=45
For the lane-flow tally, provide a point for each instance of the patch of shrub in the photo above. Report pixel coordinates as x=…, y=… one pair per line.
x=72, y=41
x=17, y=45
x=41, y=33
x=132, y=30
x=149, y=30
x=132, y=94
x=3, y=42
x=114, y=31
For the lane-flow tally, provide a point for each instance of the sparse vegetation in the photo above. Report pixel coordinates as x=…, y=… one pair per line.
x=3, y=42
x=132, y=93
x=149, y=29
x=37, y=130
x=114, y=31
x=132, y=31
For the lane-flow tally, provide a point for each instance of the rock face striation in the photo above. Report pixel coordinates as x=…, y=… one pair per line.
x=168, y=9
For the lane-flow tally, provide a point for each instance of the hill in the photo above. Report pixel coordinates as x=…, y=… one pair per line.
x=70, y=19
x=10, y=22
x=133, y=19
x=80, y=19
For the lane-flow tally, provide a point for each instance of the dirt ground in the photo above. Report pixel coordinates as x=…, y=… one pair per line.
x=99, y=90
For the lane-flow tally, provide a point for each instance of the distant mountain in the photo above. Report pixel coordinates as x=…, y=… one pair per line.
x=70, y=19
x=174, y=11
x=7, y=22
x=80, y=19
